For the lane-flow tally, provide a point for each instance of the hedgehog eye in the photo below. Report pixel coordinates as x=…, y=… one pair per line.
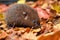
x=36, y=23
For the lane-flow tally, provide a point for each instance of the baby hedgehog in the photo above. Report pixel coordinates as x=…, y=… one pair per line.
x=21, y=15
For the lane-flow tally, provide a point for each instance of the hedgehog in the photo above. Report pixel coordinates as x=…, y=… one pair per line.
x=22, y=15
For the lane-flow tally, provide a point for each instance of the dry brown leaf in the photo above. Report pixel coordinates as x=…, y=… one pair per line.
x=3, y=35
x=29, y=36
x=50, y=36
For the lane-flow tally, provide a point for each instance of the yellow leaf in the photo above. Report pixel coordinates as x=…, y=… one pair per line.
x=56, y=7
x=1, y=16
x=21, y=2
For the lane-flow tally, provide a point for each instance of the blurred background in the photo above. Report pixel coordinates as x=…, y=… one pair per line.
x=36, y=4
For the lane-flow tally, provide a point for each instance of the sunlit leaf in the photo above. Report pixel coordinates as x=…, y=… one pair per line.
x=56, y=7
x=1, y=16
x=21, y=2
